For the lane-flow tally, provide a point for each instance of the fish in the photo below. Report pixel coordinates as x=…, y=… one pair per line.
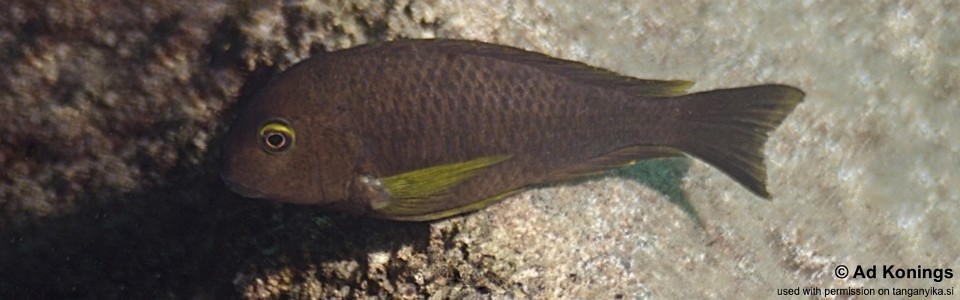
x=421, y=130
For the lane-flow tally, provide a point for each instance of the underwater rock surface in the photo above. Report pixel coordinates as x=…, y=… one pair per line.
x=111, y=115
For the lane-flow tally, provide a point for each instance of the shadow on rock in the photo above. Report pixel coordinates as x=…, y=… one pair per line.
x=666, y=176
x=188, y=238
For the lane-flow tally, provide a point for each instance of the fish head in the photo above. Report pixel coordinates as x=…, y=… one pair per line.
x=287, y=145
x=261, y=161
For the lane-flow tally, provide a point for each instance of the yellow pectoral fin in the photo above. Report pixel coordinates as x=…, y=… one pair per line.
x=437, y=179
x=477, y=205
x=416, y=192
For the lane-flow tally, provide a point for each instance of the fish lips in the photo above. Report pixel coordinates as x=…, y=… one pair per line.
x=239, y=188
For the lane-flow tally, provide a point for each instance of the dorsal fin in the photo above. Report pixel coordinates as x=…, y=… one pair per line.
x=573, y=70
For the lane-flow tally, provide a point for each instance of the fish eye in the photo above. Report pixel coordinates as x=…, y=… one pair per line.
x=276, y=137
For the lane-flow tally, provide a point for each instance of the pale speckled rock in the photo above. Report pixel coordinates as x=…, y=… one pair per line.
x=861, y=172
x=121, y=186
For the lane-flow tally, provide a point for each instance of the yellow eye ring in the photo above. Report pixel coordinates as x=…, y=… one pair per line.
x=276, y=137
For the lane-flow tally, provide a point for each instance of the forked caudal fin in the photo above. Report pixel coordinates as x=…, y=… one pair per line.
x=728, y=128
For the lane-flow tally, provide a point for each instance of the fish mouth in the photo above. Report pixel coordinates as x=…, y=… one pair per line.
x=240, y=189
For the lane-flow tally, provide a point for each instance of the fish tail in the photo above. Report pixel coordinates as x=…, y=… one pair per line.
x=728, y=128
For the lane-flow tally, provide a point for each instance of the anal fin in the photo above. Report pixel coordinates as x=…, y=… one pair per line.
x=618, y=158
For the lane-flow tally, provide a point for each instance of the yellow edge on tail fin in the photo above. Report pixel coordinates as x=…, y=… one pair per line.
x=728, y=128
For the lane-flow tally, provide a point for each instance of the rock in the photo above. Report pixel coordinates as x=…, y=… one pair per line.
x=111, y=115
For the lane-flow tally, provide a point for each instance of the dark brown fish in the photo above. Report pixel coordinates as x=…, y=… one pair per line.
x=427, y=129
